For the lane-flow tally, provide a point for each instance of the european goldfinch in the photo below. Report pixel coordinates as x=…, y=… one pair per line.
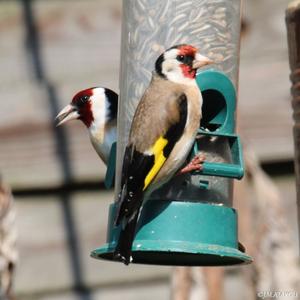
x=97, y=108
x=162, y=133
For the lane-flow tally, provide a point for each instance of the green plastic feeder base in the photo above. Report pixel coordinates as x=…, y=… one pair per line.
x=180, y=234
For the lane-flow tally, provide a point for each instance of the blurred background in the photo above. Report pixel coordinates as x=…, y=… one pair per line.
x=49, y=50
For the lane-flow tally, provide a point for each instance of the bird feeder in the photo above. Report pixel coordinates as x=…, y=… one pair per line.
x=189, y=221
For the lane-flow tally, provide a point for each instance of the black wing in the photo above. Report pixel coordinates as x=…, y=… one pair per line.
x=137, y=166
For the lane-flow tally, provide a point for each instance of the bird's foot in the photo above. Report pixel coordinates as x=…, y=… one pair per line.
x=196, y=164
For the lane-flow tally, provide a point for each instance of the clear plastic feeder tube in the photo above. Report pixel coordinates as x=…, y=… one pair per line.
x=151, y=26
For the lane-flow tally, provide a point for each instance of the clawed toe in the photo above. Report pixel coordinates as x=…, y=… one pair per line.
x=194, y=165
x=200, y=157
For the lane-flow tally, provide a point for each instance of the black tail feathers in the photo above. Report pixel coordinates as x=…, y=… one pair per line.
x=123, y=249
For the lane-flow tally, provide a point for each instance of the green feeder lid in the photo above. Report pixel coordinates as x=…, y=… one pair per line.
x=180, y=233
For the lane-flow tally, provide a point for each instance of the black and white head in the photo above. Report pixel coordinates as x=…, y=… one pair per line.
x=180, y=63
x=95, y=106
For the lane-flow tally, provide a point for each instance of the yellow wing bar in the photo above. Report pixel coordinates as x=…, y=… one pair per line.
x=159, y=160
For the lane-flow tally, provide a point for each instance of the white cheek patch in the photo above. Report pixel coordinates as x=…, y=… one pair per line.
x=99, y=112
x=171, y=54
x=98, y=105
x=170, y=65
x=172, y=70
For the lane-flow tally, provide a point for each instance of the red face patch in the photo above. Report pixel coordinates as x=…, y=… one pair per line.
x=77, y=98
x=188, y=71
x=86, y=114
x=81, y=101
x=187, y=50
x=190, y=52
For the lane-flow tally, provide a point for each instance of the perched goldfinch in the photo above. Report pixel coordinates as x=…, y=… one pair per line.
x=162, y=133
x=97, y=108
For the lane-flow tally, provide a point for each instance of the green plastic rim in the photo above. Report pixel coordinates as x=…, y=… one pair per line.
x=181, y=233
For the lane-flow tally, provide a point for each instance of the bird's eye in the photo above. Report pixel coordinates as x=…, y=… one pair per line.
x=180, y=58
x=84, y=98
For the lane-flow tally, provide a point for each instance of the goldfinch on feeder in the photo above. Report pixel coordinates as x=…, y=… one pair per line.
x=97, y=108
x=162, y=133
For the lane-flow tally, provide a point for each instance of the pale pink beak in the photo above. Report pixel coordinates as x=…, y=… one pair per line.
x=66, y=114
x=201, y=61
